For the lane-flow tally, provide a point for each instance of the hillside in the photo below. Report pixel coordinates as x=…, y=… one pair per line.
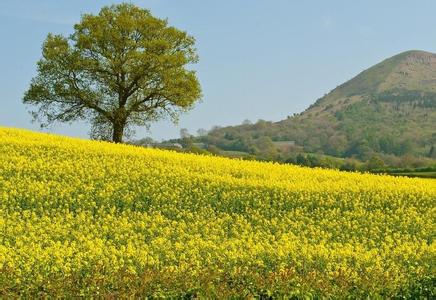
x=388, y=109
x=99, y=220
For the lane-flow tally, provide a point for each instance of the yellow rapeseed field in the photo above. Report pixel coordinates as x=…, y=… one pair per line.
x=84, y=218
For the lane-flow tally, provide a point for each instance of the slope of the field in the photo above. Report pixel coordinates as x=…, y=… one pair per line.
x=82, y=218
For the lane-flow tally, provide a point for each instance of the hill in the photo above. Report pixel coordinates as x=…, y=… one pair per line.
x=387, y=110
x=99, y=220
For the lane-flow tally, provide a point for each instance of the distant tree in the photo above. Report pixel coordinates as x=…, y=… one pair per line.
x=231, y=135
x=405, y=147
x=433, y=137
x=213, y=149
x=328, y=162
x=145, y=141
x=387, y=144
x=301, y=160
x=313, y=160
x=336, y=145
x=375, y=162
x=184, y=133
x=246, y=122
x=359, y=149
x=215, y=129
x=407, y=161
x=291, y=160
x=186, y=138
x=339, y=115
x=350, y=164
x=201, y=132
x=432, y=152
x=266, y=148
x=120, y=68
x=261, y=124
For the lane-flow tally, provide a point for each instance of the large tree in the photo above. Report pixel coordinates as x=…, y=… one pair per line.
x=120, y=68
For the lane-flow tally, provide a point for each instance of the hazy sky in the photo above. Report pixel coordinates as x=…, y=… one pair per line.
x=258, y=59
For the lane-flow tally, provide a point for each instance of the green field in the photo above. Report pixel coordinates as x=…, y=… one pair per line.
x=416, y=174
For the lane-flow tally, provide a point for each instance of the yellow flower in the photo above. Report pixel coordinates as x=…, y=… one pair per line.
x=93, y=218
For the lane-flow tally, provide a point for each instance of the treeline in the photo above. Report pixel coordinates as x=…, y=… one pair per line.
x=363, y=135
x=414, y=98
x=358, y=131
x=265, y=149
x=376, y=163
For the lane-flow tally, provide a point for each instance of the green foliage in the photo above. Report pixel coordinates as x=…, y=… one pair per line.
x=375, y=163
x=417, y=98
x=432, y=152
x=120, y=68
x=266, y=148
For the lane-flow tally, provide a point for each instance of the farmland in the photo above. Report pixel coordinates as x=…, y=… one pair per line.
x=86, y=218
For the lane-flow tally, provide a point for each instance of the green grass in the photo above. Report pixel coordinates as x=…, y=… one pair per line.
x=234, y=153
x=416, y=174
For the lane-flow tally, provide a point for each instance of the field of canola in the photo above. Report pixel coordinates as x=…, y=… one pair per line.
x=82, y=218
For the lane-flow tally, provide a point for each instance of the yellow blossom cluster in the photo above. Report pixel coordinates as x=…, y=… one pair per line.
x=95, y=219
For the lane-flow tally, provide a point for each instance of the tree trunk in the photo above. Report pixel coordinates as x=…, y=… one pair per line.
x=118, y=132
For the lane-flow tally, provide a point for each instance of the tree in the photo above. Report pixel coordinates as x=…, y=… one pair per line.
x=184, y=133
x=301, y=160
x=185, y=138
x=432, y=152
x=201, y=132
x=266, y=148
x=375, y=162
x=147, y=141
x=350, y=164
x=313, y=161
x=119, y=69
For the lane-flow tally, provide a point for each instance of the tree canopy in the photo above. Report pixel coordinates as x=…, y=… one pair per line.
x=119, y=69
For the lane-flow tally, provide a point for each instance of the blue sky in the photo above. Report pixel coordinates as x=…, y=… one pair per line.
x=258, y=59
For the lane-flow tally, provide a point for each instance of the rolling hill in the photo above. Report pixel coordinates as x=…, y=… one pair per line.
x=388, y=109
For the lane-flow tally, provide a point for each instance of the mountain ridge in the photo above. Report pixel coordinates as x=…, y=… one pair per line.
x=387, y=110
x=410, y=70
